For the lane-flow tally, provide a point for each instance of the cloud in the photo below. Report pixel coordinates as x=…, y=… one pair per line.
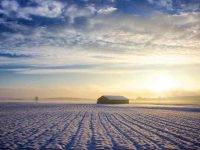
x=120, y=32
x=190, y=7
x=74, y=11
x=47, y=8
x=176, y=6
x=106, y=10
x=103, y=57
x=13, y=55
x=159, y=40
x=96, y=37
x=51, y=9
x=10, y=6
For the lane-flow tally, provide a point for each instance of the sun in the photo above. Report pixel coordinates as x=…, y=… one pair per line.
x=162, y=83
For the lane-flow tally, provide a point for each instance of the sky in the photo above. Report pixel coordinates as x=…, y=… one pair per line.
x=88, y=48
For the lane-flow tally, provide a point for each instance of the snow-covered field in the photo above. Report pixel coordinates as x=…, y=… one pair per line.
x=91, y=126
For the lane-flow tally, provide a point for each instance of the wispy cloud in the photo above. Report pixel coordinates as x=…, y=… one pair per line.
x=106, y=10
x=13, y=55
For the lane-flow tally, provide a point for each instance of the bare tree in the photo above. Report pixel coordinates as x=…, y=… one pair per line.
x=36, y=99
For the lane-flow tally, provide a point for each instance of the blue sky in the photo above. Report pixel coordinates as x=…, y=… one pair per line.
x=55, y=42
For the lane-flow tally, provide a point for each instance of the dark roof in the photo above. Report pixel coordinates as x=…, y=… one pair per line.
x=115, y=97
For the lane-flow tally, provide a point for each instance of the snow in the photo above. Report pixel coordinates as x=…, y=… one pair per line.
x=92, y=126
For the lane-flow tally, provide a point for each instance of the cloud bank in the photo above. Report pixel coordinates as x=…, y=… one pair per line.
x=87, y=36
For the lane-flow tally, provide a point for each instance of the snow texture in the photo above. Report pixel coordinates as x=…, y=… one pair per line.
x=93, y=126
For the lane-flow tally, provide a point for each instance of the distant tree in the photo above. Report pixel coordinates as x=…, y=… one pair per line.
x=36, y=99
x=139, y=98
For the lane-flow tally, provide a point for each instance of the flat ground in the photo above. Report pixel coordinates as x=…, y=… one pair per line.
x=91, y=126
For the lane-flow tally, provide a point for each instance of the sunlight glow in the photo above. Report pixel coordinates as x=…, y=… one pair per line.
x=162, y=83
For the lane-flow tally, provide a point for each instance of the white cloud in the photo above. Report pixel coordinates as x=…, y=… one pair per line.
x=106, y=10
x=10, y=5
x=73, y=11
x=50, y=9
x=45, y=8
x=88, y=11
x=135, y=30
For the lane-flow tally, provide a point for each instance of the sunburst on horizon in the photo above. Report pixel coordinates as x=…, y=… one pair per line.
x=163, y=83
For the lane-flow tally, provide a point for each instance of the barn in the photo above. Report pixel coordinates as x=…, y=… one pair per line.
x=112, y=99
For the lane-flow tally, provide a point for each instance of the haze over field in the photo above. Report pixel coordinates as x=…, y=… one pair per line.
x=84, y=49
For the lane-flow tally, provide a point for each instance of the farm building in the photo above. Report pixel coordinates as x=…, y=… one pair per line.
x=109, y=99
